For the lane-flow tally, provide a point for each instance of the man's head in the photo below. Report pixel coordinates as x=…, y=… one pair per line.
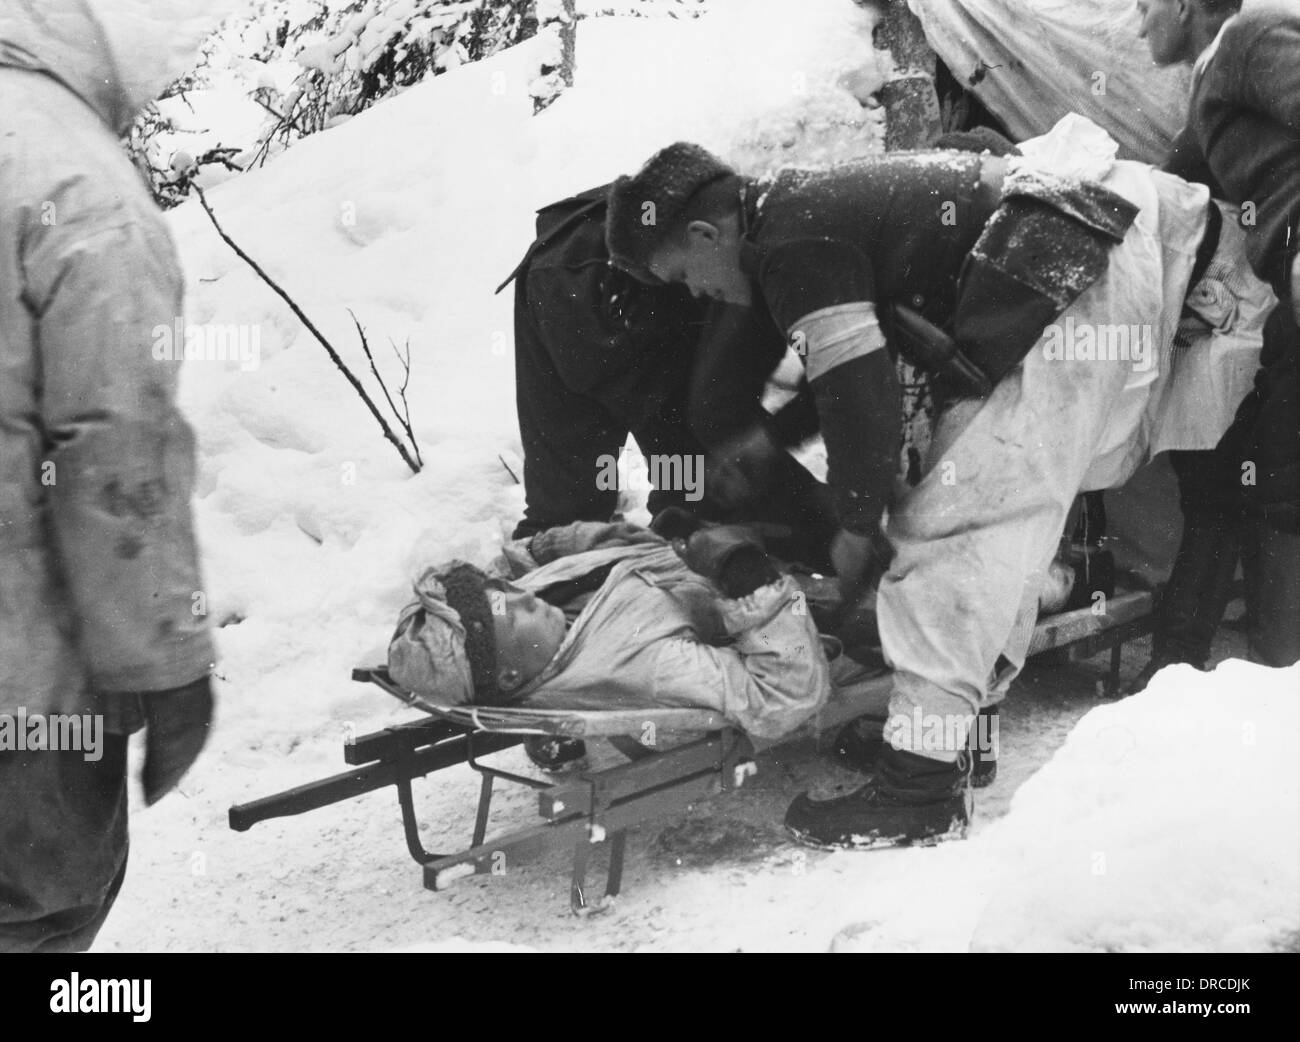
x=679, y=220
x=528, y=633
x=1177, y=31
x=480, y=638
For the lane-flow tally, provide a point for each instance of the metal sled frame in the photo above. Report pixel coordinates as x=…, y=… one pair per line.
x=579, y=811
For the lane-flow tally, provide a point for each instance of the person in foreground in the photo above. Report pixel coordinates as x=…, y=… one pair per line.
x=98, y=563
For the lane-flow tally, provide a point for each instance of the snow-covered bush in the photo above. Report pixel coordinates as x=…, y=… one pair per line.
x=305, y=65
x=283, y=69
x=354, y=53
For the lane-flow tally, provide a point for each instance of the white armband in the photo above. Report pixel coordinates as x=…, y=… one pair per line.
x=832, y=336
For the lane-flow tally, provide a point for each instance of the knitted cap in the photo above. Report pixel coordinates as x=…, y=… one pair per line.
x=466, y=592
x=644, y=207
x=445, y=644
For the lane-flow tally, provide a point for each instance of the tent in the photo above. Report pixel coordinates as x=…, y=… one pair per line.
x=1032, y=61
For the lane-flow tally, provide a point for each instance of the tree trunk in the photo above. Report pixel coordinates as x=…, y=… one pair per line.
x=911, y=103
x=557, y=20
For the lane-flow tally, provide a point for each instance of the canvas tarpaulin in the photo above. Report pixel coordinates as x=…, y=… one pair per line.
x=1034, y=61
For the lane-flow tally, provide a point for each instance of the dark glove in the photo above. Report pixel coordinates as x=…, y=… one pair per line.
x=675, y=523
x=741, y=470
x=176, y=727
x=730, y=556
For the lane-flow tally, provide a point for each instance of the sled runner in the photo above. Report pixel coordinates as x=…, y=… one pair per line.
x=580, y=811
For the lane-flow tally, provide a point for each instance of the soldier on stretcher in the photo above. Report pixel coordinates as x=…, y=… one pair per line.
x=614, y=616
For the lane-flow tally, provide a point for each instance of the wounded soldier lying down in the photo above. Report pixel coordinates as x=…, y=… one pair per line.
x=612, y=616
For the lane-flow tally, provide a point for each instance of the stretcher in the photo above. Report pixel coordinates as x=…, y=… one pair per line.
x=670, y=759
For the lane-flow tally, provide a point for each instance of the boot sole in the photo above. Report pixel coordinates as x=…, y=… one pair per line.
x=564, y=767
x=864, y=842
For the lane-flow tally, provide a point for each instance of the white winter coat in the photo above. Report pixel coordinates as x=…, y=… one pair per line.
x=99, y=580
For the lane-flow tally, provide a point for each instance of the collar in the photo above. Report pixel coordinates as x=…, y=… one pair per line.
x=751, y=213
x=1207, y=55
x=626, y=563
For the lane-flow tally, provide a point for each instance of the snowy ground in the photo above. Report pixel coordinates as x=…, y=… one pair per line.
x=1167, y=822
x=410, y=214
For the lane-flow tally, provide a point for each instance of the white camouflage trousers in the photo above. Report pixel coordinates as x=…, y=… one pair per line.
x=973, y=539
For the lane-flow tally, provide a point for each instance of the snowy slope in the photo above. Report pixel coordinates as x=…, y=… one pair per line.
x=311, y=527
x=1167, y=822
x=410, y=215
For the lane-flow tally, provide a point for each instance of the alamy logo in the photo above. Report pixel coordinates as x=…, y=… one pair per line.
x=666, y=473
x=56, y=732
x=1094, y=342
x=210, y=342
x=91, y=995
x=953, y=732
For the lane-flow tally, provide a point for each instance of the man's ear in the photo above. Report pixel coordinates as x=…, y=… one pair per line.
x=703, y=232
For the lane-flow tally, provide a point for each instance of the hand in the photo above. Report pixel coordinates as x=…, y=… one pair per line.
x=738, y=470
x=729, y=486
x=675, y=523
x=731, y=557
x=707, y=550
x=176, y=727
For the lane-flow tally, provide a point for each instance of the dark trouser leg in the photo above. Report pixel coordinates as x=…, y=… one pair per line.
x=1267, y=439
x=1200, y=584
x=1198, y=591
x=63, y=846
x=676, y=461
x=564, y=434
x=1271, y=561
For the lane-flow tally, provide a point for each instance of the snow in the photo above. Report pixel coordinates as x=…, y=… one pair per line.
x=411, y=215
x=1167, y=822
x=312, y=528
x=1170, y=822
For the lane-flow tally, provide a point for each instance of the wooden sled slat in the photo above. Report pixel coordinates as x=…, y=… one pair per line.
x=1070, y=627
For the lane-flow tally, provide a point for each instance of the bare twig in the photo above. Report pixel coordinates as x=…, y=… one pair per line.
x=405, y=359
x=281, y=117
x=220, y=155
x=311, y=328
x=365, y=346
x=402, y=415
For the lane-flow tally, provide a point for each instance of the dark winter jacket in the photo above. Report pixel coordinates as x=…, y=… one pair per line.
x=1243, y=139
x=599, y=355
x=1244, y=124
x=831, y=252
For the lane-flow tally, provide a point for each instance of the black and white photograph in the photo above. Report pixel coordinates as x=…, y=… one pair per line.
x=650, y=476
